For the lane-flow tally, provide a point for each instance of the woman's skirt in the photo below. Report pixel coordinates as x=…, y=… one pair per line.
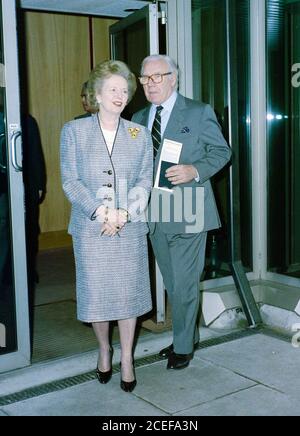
x=112, y=278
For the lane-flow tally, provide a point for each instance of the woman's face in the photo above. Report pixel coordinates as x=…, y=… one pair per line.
x=113, y=96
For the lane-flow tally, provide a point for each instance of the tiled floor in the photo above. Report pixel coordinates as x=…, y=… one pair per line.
x=251, y=376
x=254, y=375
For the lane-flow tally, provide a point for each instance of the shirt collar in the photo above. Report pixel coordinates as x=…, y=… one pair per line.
x=168, y=104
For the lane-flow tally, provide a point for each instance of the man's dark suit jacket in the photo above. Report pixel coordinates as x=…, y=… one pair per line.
x=34, y=169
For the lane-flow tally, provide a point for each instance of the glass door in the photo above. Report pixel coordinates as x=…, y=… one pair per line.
x=283, y=140
x=221, y=77
x=14, y=325
x=147, y=34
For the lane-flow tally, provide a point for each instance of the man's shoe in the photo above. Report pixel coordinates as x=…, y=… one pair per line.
x=165, y=352
x=179, y=361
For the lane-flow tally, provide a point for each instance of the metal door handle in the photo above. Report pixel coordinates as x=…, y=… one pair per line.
x=14, y=162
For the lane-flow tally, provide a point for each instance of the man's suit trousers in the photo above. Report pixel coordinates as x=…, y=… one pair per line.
x=181, y=259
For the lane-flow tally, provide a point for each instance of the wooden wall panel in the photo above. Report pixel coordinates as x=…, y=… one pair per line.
x=101, y=45
x=58, y=62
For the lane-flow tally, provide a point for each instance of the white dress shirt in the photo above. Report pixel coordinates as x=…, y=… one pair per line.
x=165, y=113
x=168, y=106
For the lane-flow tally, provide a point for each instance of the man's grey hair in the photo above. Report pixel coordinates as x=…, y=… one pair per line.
x=169, y=61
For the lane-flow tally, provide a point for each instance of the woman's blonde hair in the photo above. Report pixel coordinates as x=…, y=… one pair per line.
x=104, y=71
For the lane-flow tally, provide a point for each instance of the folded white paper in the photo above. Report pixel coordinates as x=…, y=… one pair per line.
x=170, y=155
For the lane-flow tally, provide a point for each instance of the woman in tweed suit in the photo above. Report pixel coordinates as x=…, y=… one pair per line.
x=107, y=168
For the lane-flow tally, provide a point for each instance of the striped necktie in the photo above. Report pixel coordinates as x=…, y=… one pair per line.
x=156, y=130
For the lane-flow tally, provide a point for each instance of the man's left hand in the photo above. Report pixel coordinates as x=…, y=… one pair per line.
x=179, y=174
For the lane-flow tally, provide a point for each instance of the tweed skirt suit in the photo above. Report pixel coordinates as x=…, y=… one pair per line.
x=112, y=273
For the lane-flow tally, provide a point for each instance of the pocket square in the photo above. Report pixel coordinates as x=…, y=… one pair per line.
x=185, y=130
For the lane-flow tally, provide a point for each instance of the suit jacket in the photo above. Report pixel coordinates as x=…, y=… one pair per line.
x=193, y=124
x=34, y=167
x=91, y=177
x=86, y=115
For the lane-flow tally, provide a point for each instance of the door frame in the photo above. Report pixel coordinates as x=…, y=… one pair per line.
x=150, y=13
x=181, y=49
x=21, y=357
x=179, y=42
x=265, y=273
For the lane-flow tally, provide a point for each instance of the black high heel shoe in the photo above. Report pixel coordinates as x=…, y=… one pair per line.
x=127, y=386
x=104, y=377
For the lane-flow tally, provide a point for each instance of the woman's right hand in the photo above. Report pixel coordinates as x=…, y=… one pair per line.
x=113, y=220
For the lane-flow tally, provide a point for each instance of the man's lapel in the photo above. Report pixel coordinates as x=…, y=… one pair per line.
x=145, y=116
x=175, y=123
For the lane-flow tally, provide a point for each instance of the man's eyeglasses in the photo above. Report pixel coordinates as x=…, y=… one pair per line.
x=155, y=78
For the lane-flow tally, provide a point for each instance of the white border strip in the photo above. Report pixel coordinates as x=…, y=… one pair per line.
x=258, y=136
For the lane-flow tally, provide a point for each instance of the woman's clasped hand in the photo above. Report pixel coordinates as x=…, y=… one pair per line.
x=112, y=220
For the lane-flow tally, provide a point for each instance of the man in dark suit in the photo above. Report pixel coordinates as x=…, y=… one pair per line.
x=178, y=242
x=34, y=176
x=89, y=111
x=4, y=218
x=34, y=173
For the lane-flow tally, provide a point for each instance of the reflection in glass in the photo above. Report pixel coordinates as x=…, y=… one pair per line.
x=283, y=136
x=210, y=86
x=7, y=299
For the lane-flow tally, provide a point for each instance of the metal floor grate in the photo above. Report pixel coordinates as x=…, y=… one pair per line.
x=59, y=385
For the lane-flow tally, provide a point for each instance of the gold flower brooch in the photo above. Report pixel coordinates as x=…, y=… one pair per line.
x=134, y=131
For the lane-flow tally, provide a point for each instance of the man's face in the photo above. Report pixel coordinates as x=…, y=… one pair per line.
x=158, y=93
